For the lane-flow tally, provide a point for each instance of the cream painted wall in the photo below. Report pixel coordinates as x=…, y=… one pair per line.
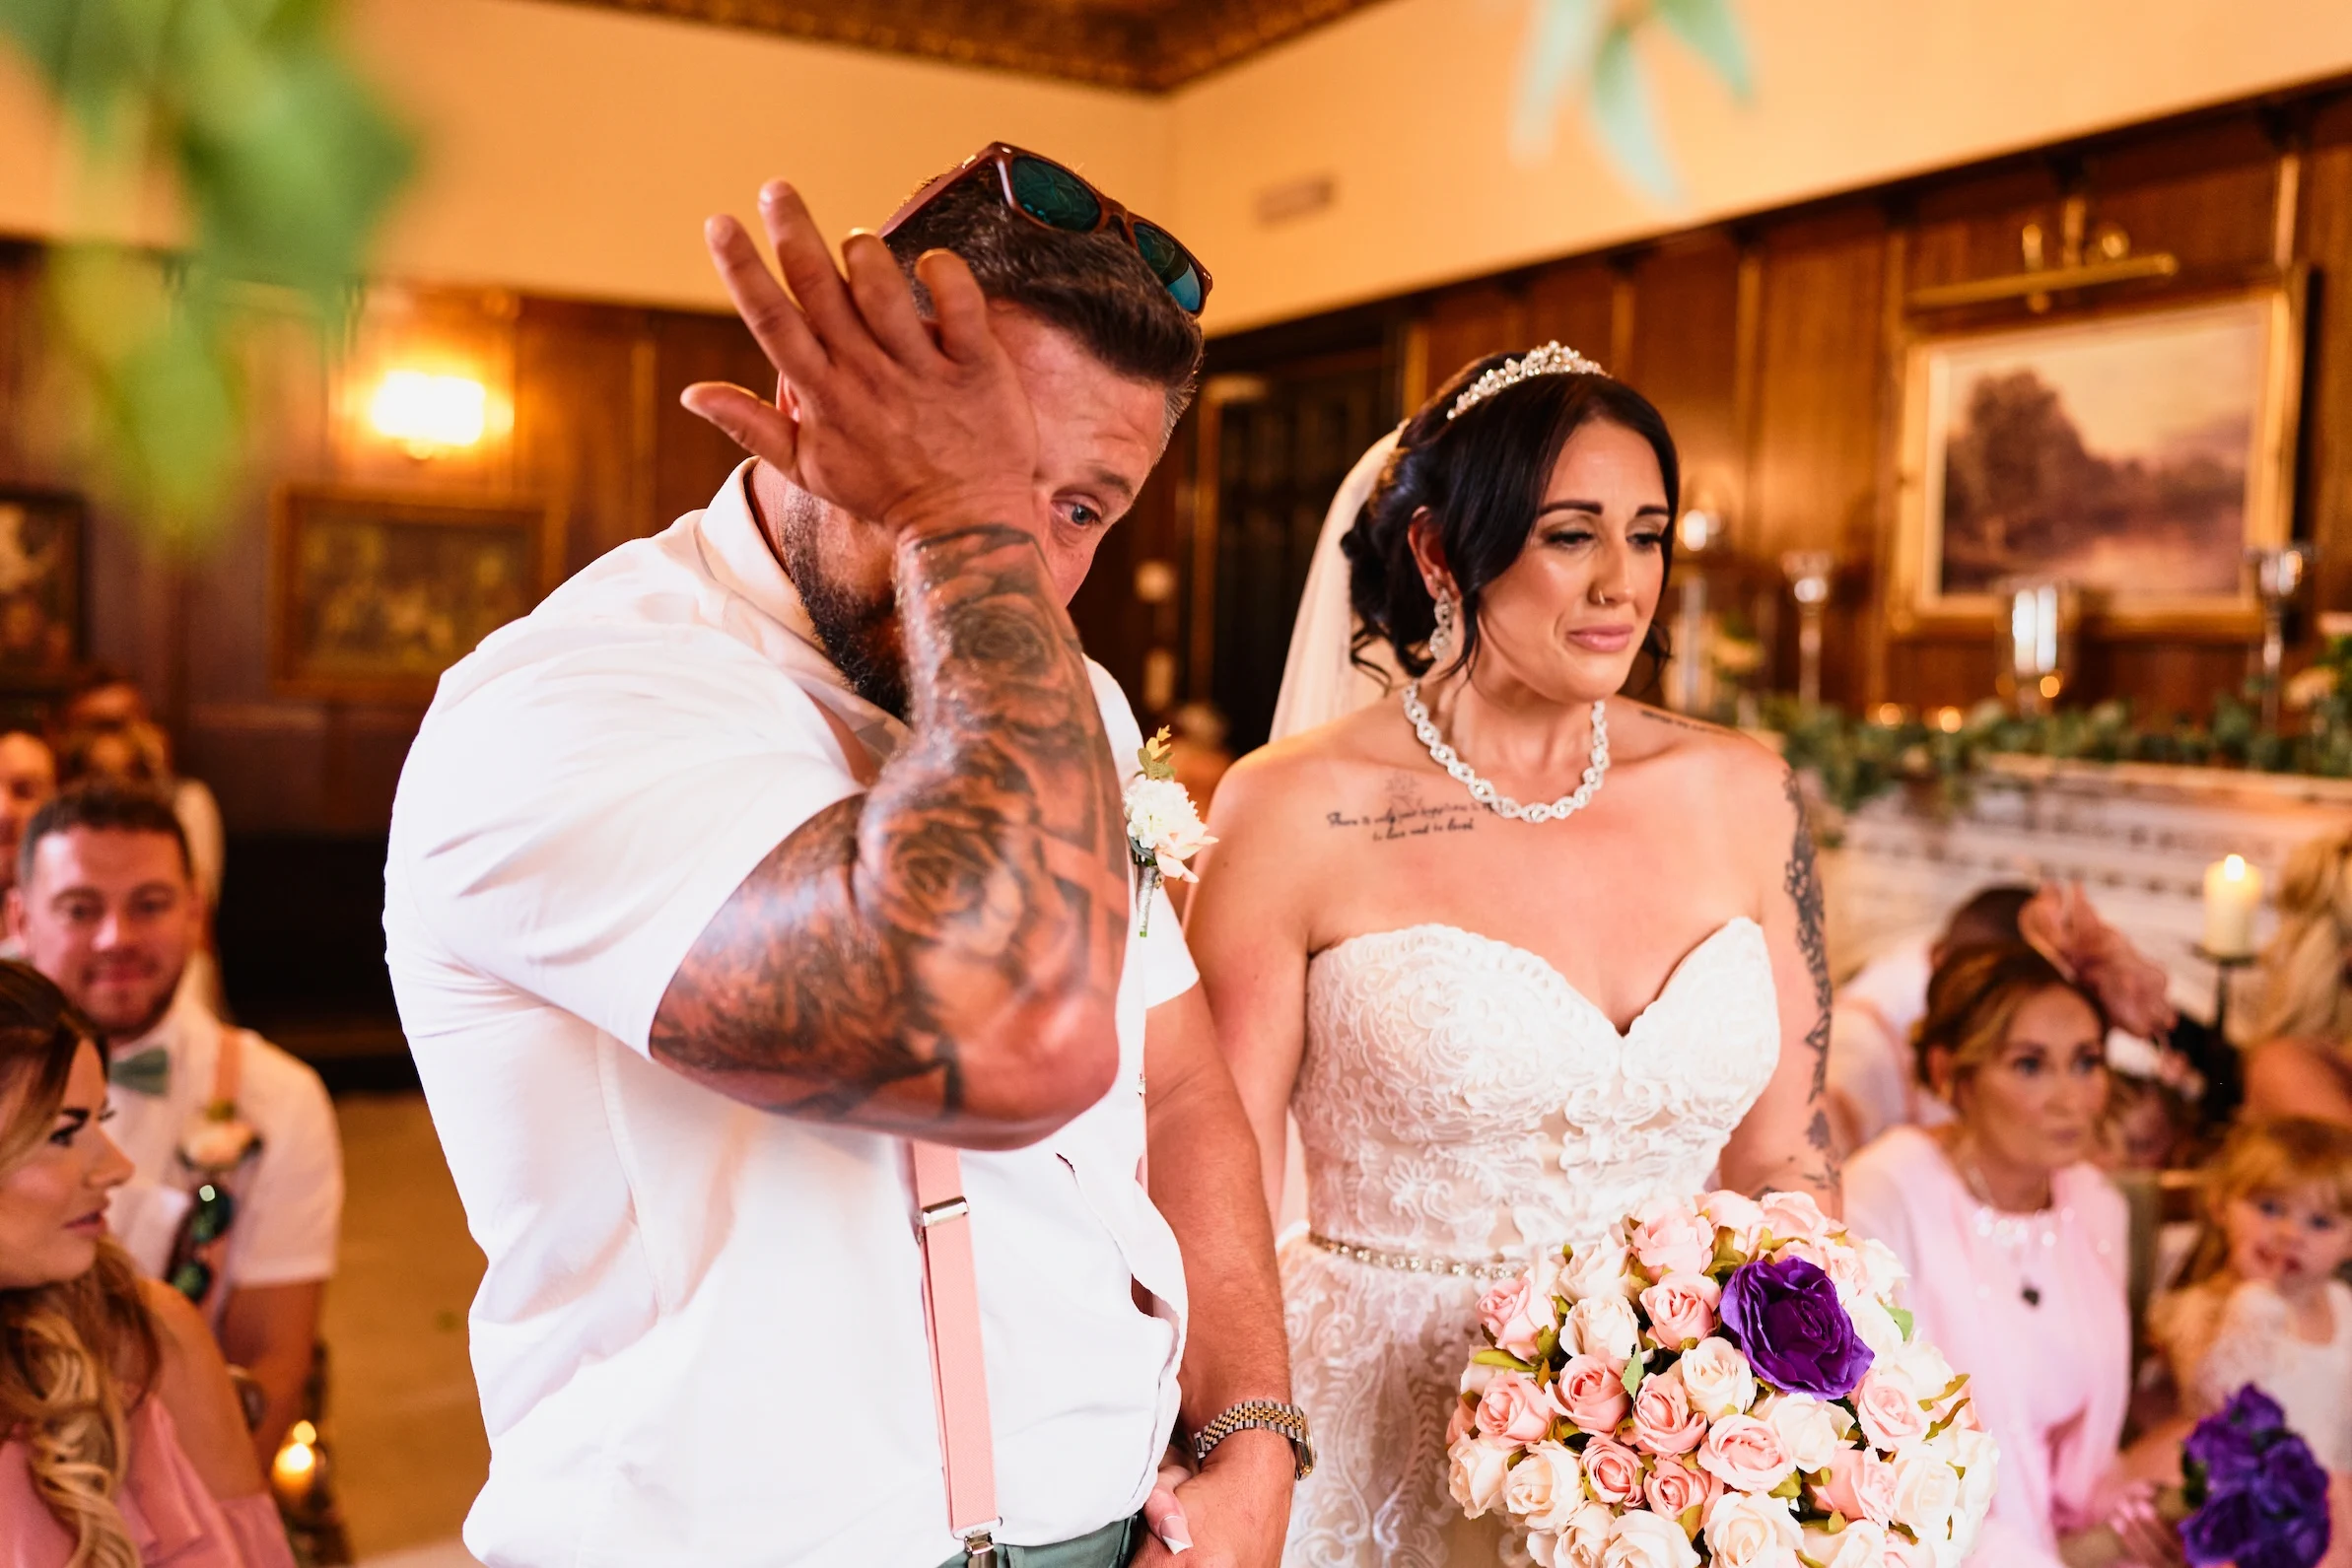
x=576, y=151
x=1408, y=106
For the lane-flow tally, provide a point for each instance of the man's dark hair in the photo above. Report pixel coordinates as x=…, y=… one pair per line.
x=1093, y=287
x=103, y=805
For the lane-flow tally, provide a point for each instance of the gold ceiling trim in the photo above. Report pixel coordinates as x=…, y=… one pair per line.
x=1137, y=45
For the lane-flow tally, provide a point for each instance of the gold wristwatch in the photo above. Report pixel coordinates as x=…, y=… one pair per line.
x=1267, y=1417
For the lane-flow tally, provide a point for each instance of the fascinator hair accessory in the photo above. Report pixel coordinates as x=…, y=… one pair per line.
x=1549, y=360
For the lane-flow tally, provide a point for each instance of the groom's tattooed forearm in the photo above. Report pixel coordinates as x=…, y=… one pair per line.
x=975, y=891
x=1802, y=882
x=1410, y=820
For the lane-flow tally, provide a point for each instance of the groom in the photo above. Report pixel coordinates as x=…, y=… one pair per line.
x=791, y=834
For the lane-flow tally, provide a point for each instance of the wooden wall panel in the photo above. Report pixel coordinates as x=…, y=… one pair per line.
x=1685, y=358
x=2327, y=237
x=1574, y=304
x=584, y=422
x=691, y=456
x=1471, y=322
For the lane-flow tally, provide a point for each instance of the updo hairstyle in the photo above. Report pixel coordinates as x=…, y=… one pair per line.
x=1482, y=477
x=1974, y=996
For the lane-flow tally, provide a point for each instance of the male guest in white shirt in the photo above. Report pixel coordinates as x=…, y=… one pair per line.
x=792, y=833
x=107, y=905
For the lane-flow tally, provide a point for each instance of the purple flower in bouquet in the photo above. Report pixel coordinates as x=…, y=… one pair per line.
x=2259, y=1499
x=1786, y=1319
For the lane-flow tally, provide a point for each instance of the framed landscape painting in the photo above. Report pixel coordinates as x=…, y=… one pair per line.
x=2136, y=455
x=373, y=595
x=41, y=583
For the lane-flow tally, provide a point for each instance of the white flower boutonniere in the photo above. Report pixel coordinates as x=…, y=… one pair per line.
x=1163, y=829
x=217, y=1139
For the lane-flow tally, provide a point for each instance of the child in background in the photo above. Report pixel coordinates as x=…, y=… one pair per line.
x=2261, y=1304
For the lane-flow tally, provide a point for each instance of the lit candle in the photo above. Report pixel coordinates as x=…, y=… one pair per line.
x=2233, y=893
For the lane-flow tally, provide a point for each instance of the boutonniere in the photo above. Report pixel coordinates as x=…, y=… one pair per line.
x=1163, y=829
x=217, y=1139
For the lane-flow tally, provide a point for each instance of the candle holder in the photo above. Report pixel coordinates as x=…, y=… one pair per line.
x=1689, y=688
x=2279, y=575
x=2033, y=640
x=2224, y=966
x=1808, y=573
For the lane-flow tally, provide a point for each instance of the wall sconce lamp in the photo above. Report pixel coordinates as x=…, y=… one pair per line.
x=429, y=414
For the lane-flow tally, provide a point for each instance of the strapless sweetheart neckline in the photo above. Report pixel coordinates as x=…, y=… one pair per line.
x=1544, y=967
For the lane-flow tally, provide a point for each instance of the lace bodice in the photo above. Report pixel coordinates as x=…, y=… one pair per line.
x=1459, y=1099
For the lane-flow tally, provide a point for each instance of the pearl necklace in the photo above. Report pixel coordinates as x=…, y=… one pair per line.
x=2018, y=1237
x=1485, y=794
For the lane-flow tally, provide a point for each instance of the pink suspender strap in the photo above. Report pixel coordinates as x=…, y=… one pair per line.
x=958, y=1377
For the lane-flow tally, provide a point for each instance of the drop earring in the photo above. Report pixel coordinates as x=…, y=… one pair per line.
x=1441, y=635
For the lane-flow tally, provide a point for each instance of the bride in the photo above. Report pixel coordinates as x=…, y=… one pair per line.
x=1500, y=1026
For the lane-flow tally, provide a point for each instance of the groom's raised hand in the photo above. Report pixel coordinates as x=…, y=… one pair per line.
x=896, y=419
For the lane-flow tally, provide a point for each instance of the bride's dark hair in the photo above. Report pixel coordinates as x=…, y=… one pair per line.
x=1482, y=477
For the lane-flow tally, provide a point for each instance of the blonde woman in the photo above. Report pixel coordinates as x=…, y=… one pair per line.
x=121, y=1443
x=2303, y=1063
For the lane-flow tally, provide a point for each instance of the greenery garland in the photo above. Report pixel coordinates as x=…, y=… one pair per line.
x=1856, y=760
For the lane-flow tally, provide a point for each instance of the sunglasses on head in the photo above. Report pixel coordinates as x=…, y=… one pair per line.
x=1054, y=198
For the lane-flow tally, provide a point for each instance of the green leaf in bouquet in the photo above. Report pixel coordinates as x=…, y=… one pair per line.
x=1960, y=1381
x=1688, y=1520
x=1727, y=1252
x=1546, y=1344
x=1495, y=1357
x=1950, y=1416
x=1790, y=1487
x=1637, y=1369
x=1902, y=1319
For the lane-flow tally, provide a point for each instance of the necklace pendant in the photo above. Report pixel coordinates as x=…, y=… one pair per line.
x=2032, y=1295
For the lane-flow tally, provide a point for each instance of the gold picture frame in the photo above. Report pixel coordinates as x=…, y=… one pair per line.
x=374, y=593
x=2137, y=452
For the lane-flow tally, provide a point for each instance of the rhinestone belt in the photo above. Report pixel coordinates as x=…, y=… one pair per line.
x=1497, y=1268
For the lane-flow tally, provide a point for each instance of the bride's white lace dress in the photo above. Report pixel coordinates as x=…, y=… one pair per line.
x=1460, y=1102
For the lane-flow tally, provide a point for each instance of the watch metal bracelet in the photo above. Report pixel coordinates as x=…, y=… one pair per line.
x=1262, y=1415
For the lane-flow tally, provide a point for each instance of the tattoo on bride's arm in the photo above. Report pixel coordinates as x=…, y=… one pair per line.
x=985, y=871
x=1802, y=882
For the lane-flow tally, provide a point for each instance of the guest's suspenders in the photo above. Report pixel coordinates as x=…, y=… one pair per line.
x=950, y=1298
x=958, y=1377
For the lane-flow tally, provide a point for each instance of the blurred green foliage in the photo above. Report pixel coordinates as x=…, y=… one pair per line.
x=1856, y=760
x=1590, y=44
x=282, y=162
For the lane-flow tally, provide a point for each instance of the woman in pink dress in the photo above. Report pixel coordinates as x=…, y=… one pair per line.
x=122, y=1442
x=2017, y=1250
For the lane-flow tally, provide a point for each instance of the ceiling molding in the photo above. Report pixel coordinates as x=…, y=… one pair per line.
x=1137, y=46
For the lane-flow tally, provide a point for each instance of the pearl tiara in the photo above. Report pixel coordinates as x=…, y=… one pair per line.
x=1549, y=360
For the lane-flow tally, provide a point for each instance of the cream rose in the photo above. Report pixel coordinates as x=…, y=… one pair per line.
x=1861, y=1544
x=1737, y=1213
x=1603, y=1327
x=1876, y=1327
x=1476, y=1469
x=1791, y=1215
x=1545, y=1488
x=1675, y=1241
x=1663, y=1420
x=1597, y=1270
x=1514, y=1410
x=1717, y=1379
x=1926, y=1490
x=1591, y=1392
x=1584, y=1539
x=1880, y=1263
x=1861, y=1485
x=1750, y=1531
x=1888, y=1404
x=1931, y=1374
x=1642, y=1539
x=1977, y=1458
x=1847, y=1271
x=1745, y=1455
x=1682, y=1310
x=1811, y=1430
x=1613, y=1471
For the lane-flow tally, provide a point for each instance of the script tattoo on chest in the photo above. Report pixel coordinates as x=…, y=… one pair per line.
x=1406, y=820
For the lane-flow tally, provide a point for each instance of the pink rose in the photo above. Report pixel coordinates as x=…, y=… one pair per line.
x=1675, y=1242
x=1812, y=1252
x=1888, y=1409
x=1460, y=1424
x=1904, y=1553
x=1737, y=1213
x=1682, y=1310
x=1746, y=1454
x=1675, y=1486
x=1613, y=1471
x=1513, y=1409
x=1515, y=1316
x=1846, y=1271
x=1794, y=1215
x=1663, y=1420
x=1861, y=1486
x=1591, y=1392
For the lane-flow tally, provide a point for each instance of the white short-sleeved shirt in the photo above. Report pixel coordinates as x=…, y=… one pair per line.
x=289, y=1202
x=701, y=1335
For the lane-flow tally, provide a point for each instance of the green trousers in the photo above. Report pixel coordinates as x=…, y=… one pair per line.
x=1107, y=1547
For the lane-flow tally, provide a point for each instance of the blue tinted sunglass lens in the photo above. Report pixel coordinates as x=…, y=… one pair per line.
x=1170, y=264
x=1055, y=196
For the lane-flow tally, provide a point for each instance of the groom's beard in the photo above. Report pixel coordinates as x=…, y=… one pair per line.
x=859, y=629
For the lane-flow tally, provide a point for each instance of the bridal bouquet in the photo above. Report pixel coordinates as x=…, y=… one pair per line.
x=1724, y=1381
x=2256, y=1496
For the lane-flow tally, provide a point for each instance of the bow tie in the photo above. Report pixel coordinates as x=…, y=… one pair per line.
x=148, y=1072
